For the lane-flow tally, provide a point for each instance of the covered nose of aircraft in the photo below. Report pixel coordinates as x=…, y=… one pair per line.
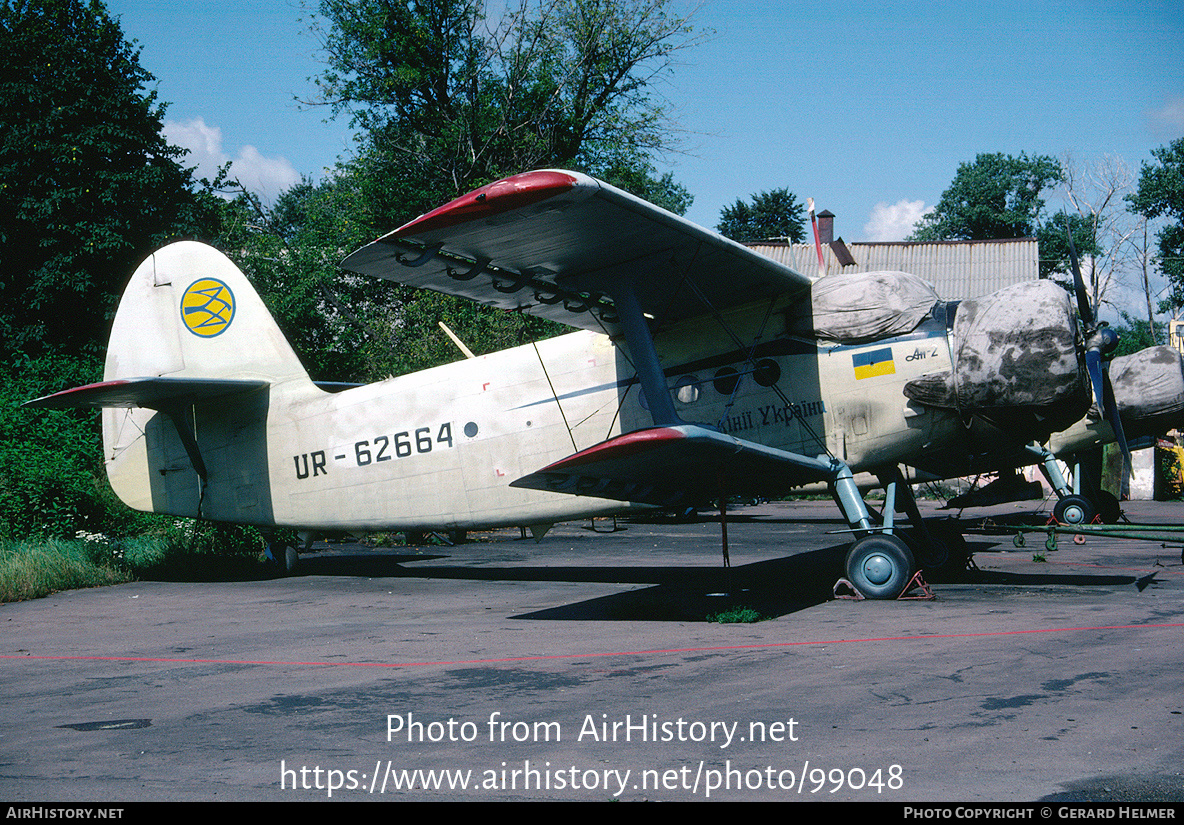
x=1149, y=391
x=1015, y=351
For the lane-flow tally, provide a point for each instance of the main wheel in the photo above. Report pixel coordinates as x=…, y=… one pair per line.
x=879, y=566
x=950, y=565
x=1073, y=510
x=1109, y=508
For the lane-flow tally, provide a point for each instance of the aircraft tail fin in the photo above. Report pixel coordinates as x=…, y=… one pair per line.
x=188, y=312
x=193, y=368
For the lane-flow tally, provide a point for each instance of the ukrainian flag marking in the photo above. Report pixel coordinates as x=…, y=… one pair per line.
x=871, y=364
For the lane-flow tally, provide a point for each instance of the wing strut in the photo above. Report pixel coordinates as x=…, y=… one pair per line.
x=645, y=355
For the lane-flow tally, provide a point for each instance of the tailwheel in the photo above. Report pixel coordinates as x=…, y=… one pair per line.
x=880, y=566
x=1073, y=510
x=282, y=557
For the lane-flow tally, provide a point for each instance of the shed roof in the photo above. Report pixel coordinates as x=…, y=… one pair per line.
x=957, y=269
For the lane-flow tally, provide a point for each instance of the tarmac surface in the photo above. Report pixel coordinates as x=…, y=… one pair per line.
x=582, y=667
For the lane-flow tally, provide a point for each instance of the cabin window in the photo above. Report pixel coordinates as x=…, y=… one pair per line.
x=726, y=380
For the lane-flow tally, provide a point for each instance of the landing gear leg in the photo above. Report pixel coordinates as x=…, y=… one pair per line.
x=937, y=544
x=1052, y=471
x=879, y=564
x=1081, y=502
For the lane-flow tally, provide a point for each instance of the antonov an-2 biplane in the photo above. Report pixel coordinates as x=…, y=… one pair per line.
x=699, y=370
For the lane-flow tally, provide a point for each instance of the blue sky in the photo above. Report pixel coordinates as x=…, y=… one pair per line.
x=866, y=107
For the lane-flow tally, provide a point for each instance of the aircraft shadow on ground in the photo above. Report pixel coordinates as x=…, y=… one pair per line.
x=771, y=588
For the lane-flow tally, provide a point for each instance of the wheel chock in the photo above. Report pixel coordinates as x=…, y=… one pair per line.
x=854, y=595
x=916, y=582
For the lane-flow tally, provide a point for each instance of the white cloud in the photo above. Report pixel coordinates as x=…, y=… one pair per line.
x=263, y=175
x=1168, y=118
x=894, y=222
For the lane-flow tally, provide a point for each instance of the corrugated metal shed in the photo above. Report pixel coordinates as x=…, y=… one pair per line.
x=957, y=269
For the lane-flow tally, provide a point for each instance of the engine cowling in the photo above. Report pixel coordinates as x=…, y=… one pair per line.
x=1017, y=359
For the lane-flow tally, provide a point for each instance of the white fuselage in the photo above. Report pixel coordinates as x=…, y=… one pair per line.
x=438, y=449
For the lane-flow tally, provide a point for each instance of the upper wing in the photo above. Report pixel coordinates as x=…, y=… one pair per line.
x=549, y=241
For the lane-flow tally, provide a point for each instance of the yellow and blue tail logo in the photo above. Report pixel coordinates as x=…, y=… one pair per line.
x=871, y=364
x=207, y=307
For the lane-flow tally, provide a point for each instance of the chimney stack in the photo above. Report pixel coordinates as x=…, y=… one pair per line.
x=826, y=226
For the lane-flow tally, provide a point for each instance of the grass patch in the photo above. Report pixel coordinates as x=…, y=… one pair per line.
x=181, y=550
x=32, y=569
x=738, y=614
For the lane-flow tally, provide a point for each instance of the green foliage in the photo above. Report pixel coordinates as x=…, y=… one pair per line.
x=1160, y=194
x=414, y=340
x=1170, y=475
x=190, y=550
x=32, y=569
x=995, y=196
x=638, y=177
x=1134, y=335
x=88, y=184
x=775, y=214
x=172, y=550
x=735, y=615
x=449, y=100
x=1053, y=241
x=290, y=254
x=445, y=101
x=52, y=481
x=50, y=461
x=350, y=328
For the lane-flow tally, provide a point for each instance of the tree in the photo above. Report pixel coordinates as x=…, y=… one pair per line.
x=640, y=178
x=448, y=100
x=88, y=184
x=345, y=327
x=1135, y=334
x=1053, y=242
x=1160, y=195
x=1105, y=234
x=775, y=214
x=995, y=196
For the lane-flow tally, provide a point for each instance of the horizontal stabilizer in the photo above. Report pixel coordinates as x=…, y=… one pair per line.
x=665, y=466
x=155, y=393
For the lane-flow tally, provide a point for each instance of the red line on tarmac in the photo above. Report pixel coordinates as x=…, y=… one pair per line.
x=766, y=646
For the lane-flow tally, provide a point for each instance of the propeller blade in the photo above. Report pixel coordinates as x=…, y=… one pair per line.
x=1101, y=343
x=1083, y=307
x=1093, y=365
x=1111, y=413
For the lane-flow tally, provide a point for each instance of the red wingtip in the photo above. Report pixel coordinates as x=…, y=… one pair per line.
x=621, y=446
x=491, y=199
